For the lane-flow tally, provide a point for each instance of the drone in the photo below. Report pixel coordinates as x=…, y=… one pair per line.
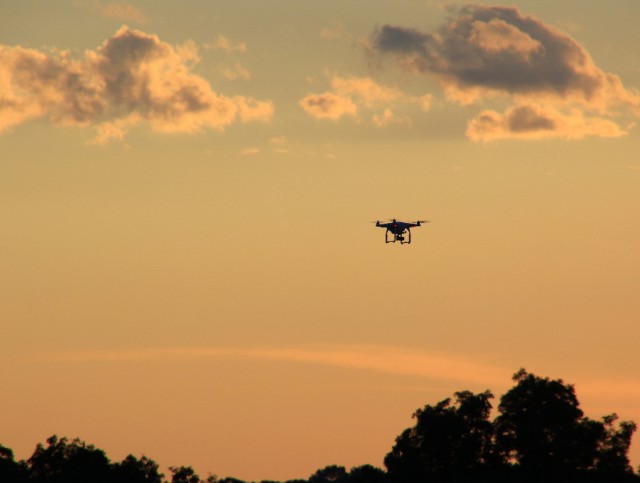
x=398, y=229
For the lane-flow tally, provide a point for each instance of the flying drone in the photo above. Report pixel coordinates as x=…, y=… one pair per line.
x=398, y=229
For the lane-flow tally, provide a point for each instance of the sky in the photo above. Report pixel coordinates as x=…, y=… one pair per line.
x=189, y=268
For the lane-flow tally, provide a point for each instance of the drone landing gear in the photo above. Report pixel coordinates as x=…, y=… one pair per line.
x=398, y=237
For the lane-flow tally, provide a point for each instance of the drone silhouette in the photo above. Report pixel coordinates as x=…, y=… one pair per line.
x=398, y=229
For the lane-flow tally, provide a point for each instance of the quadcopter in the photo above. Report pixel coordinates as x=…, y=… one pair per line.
x=398, y=229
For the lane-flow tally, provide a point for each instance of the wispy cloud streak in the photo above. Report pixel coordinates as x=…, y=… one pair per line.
x=395, y=361
x=381, y=359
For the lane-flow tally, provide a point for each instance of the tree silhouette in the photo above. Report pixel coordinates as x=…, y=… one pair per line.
x=338, y=474
x=449, y=443
x=329, y=474
x=134, y=470
x=186, y=474
x=62, y=461
x=10, y=470
x=367, y=474
x=539, y=436
x=612, y=461
x=543, y=432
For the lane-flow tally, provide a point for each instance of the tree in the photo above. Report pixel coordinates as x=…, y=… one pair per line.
x=542, y=430
x=449, y=443
x=186, y=474
x=367, y=474
x=134, y=470
x=612, y=458
x=329, y=474
x=62, y=461
x=10, y=470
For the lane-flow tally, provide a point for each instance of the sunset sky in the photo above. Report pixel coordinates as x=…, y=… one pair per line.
x=188, y=265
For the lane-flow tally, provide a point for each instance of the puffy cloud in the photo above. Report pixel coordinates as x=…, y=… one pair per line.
x=535, y=122
x=250, y=109
x=132, y=77
x=483, y=52
x=388, y=117
x=328, y=106
x=488, y=50
x=351, y=95
x=365, y=89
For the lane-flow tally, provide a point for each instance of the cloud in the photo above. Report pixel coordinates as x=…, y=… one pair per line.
x=250, y=109
x=497, y=50
x=390, y=360
x=252, y=151
x=366, y=90
x=236, y=71
x=484, y=52
x=387, y=117
x=381, y=359
x=535, y=122
x=225, y=44
x=328, y=106
x=393, y=360
x=122, y=12
x=132, y=77
x=351, y=95
x=425, y=102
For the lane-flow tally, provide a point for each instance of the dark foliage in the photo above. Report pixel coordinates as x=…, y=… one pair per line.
x=449, y=442
x=10, y=470
x=134, y=470
x=64, y=461
x=540, y=435
x=542, y=431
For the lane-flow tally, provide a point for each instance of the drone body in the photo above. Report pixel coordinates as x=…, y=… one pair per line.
x=398, y=230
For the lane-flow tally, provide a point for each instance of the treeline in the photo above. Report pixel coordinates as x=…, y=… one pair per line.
x=540, y=435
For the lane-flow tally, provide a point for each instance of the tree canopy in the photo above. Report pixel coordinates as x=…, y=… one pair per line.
x=539, y=435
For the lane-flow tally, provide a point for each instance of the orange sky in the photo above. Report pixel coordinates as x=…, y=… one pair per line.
x=189, y=268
